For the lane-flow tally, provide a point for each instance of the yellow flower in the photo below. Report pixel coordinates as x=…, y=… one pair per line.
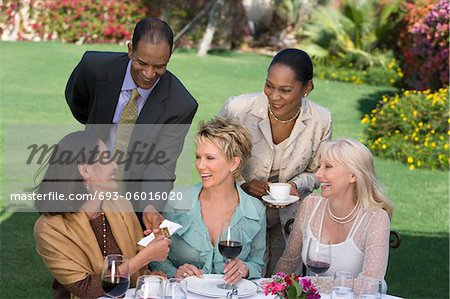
x=420, y=124
x=415, y=113
x=446, y=145
x=433, y=131
x=384, y=146
x=410, y=160
x=374, y=110
x=405, y=119
x=411, y=167
x=392, y=81
x=406, y=137
x=433, y=144
x=416, y=139
x=419, y=163
x=406, y=92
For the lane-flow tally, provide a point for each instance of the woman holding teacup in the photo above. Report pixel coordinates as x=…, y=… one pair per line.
x=287, y=129
x=351, y=213
x=222, y=149
x=73, y=236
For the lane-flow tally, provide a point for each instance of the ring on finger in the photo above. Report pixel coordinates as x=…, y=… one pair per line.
x=240, y=272
x=185, y=274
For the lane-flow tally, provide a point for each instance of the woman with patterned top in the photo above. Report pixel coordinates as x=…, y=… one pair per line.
x=351, y=213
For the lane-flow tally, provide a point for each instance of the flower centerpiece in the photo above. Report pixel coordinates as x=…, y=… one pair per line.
x=291, y=287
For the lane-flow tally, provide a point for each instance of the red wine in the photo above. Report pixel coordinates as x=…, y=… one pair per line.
x=230, y=249
x=318, y=267
x=115, y=286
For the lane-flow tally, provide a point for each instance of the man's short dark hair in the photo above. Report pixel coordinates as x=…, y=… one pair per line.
x=154, y=31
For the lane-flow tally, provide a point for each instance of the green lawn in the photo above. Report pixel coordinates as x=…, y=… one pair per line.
x=33, y=77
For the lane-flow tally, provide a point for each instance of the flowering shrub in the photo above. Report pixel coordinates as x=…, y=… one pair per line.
x=412, y=127
x=84, y=21
x=424, y=45
x=338, y=70
x=291, y=287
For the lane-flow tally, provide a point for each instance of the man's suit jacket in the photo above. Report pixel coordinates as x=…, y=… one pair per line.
x=92, y=93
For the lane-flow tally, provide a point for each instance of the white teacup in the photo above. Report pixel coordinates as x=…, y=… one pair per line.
x=280, y=191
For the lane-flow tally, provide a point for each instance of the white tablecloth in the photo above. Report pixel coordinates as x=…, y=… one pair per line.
x=130, y=295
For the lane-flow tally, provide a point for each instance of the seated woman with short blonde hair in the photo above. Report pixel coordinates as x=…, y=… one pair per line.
x=223, y=147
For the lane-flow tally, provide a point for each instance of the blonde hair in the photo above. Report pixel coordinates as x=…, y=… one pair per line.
x=230, y=137
x=358, y=160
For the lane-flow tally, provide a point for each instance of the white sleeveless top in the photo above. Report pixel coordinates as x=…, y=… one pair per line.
x=345, y=256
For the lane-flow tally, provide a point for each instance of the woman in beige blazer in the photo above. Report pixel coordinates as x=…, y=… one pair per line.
x=287, y=130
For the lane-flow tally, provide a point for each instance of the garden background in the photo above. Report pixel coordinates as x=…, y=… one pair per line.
x=381, y=68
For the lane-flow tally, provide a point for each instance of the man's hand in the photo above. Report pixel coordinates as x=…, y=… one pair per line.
x=151, y=218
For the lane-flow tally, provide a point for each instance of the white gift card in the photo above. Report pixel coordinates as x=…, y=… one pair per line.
x=171, y=226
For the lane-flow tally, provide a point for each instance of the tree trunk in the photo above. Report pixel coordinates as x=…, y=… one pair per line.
x=210, y=29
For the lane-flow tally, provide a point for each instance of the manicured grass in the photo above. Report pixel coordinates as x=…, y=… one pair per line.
x=33, y=77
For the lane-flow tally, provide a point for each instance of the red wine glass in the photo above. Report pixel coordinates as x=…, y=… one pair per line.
x=230, y=246
x=318, y=257
x=115, y=275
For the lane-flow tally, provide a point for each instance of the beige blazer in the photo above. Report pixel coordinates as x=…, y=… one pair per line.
x=311, y=129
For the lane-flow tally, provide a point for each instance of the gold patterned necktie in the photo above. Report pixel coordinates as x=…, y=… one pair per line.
x=126, y=123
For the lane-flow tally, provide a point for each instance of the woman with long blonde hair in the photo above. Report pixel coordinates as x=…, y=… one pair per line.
x=351, y=213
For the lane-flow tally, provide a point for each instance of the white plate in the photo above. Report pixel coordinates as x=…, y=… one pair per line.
x=207, y=286
x=291, y=199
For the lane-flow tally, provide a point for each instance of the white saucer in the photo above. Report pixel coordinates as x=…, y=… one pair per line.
x=291, y=199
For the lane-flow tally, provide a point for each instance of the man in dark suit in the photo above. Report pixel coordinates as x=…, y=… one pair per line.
x=99, y=90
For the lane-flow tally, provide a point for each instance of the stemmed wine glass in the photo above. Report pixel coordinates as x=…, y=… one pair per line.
x=318, y=257
x=230, y=246
x=115, y=275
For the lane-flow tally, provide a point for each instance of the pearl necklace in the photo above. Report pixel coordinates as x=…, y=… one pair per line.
x=343, y=220
x=283, y=121
x=104, y=233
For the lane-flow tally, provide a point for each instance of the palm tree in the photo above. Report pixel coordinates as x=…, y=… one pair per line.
x=356, y=30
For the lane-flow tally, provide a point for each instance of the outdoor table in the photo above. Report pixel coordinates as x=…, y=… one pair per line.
x=130, y=295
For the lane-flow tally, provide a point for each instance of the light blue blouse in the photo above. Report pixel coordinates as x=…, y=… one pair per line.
x=192, y=243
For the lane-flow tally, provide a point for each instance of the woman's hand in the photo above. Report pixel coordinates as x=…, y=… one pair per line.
x=188, y=270
x=256, y=188
x=294, y=190
x=156, y=251
x=235, y=270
